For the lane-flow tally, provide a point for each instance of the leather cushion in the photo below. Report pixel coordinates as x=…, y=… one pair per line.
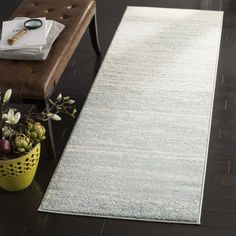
x=37, y=79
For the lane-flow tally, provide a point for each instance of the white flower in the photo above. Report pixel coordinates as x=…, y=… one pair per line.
x=11, y=118
x=7, y=95
x=59, y=97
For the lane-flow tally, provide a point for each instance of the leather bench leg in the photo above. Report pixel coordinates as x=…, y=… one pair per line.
x=94, y=35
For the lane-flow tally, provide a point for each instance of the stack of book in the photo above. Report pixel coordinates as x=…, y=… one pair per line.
x=34, y=44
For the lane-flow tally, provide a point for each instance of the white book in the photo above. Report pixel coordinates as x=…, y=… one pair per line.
x=32, y=39
x=39, y=48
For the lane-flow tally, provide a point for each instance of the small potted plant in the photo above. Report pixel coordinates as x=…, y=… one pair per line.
x=20, y=139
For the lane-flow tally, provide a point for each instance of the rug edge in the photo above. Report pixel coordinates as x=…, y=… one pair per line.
x=221, y=13
x=169, y=8
x=117, y=218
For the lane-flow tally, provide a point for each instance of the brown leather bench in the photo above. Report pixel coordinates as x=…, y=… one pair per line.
x=35, y=81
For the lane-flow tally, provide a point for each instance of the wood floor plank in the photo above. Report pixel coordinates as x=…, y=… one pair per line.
x=76, y=223
x=223, y=220
x=221, y=179
x=220, y=192
x=220, y=167
x=219, y=205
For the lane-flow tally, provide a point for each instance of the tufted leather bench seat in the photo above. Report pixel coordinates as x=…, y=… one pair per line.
x=34, y=81
x=37, y=80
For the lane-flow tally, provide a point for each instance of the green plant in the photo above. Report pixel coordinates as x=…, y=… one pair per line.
x=20, y=133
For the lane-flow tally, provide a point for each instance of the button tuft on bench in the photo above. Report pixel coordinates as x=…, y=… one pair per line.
x=35, y=4
x=63, y=17
x=32, y=70
x=71, y=6
x=48, y=10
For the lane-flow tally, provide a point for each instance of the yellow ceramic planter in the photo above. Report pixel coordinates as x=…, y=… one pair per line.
x=17, y=174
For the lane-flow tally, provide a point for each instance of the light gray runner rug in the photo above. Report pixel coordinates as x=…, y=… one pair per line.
x=139, y=148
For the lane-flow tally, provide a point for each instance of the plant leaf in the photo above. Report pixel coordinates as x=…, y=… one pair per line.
x=66, y=98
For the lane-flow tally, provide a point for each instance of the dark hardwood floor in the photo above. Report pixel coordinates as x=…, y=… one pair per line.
x=18, y=211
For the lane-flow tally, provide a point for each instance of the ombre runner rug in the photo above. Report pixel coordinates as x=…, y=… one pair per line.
x=139, y=148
